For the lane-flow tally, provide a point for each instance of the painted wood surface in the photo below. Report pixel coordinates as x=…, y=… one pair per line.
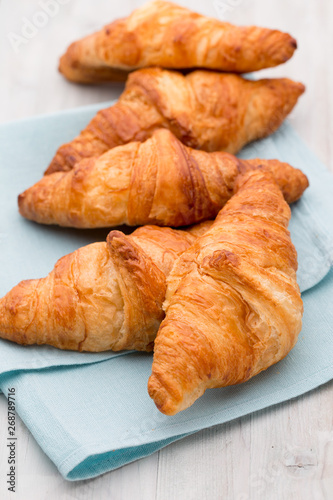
x=283, y=452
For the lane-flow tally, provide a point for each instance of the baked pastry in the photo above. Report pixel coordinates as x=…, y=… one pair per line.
x=233, y=306
x=165, y=34
x=205, y=110
x=160, y=181
x=103, y=296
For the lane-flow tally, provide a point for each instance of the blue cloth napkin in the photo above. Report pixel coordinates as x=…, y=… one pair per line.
x=29, y=250
x=61, y=404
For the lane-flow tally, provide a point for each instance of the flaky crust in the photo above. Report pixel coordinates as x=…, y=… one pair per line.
x=205, y=110
x=233, y=306
x=164, y=34
x=102, y=296
x=160, y=181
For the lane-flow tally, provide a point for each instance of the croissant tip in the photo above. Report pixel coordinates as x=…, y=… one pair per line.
x=160, y=397
x=165, y=411
x=124, y=250
x=114, y=234
x=291, y=90
x=63, y=63
x=69, y=64
x=301, y=87
x=293, y=87
x=20, y=201
x=60, y=65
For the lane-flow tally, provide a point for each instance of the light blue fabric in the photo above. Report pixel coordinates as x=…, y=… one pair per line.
x=29, y=250
x=97, y=417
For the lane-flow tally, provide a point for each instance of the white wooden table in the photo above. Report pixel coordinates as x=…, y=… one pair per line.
x=283, y=452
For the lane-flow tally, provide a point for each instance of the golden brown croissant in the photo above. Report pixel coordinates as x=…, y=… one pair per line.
x=233, y=306
x=205, y=110
x=160, y=181
x=102, y=296
x=164, y=34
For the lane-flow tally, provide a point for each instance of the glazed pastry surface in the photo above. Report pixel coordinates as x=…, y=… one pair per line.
x=160, y=181
x=233, y=306
x=165, y=34
x=103, y=296
x=204, y=109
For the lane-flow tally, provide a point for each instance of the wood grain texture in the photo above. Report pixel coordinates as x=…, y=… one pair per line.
x=283, y=452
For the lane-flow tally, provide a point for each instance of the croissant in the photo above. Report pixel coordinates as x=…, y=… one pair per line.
x=106, y=295
x=233, y=306
x=205, y=110
x=164, y=34
x=160, y=181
